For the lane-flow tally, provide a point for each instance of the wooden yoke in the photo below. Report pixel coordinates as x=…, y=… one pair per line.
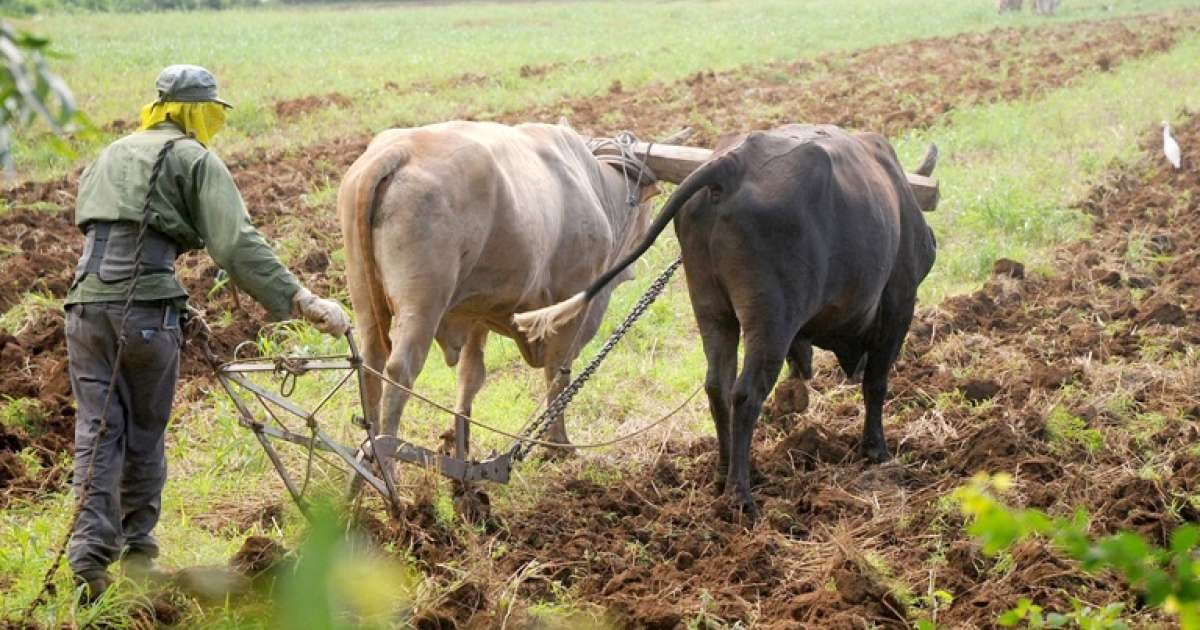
x=673, y=163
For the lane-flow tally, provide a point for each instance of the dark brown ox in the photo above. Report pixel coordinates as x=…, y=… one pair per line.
x=804, y=235
x=452, y=228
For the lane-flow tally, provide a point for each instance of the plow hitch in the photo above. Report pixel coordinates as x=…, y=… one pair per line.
x=371, y=460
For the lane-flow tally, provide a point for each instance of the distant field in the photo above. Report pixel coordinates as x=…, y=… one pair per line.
x=408, y=65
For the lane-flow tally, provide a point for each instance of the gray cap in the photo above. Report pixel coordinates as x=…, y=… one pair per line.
x=183, y=83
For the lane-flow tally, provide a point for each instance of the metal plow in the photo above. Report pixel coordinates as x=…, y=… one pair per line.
x=266, y=413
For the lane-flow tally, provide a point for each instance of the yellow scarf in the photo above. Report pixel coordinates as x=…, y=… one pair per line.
x=201, y=120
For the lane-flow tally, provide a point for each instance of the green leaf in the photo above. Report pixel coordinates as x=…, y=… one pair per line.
x=1010, y=618
x=29, y=90
x=1184, y=539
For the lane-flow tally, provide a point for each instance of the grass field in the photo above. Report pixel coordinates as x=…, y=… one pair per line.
x=457, y=60
x=1012, y=173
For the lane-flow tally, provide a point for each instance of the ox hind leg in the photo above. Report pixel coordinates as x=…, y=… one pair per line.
x=470, y=376
x=799, y=359
x=375, y=350
x=471, y=503
x=557, y=373
x=412, y=336
x=558, y=377
x=766, y=349
x=875, y=385
x=560, y=351
x=720, y=338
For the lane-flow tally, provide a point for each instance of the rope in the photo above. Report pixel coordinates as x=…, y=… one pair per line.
x=48, y=581
x=288, y=368
x=532, y=436
x=526, y=439
x=625, y=159
x=558, y=407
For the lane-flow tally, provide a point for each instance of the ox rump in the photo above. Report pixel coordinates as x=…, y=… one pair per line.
x=799, y=236
x=452, y=228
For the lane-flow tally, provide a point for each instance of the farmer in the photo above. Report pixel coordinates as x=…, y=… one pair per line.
x=195, y=204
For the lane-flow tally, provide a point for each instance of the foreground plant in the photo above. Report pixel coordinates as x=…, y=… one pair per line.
x=29, y=91
x=1165, y=578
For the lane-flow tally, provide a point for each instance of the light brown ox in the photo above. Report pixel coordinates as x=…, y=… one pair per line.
x=452, y=228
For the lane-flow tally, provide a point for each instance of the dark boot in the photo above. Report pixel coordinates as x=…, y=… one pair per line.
x=93, y=587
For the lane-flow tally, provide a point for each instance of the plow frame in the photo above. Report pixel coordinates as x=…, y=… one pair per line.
x=384, y=450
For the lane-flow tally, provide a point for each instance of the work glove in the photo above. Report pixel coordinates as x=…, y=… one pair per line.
x=326, y=315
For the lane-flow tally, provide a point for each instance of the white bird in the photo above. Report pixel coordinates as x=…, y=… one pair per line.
x=1170, y=147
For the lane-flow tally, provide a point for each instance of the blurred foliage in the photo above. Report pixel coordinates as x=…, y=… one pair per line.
x=337, y=583
x=1166, y=578
x=1083, y=616
x=30, y=92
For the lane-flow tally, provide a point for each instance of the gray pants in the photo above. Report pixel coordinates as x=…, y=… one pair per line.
x=123, y=499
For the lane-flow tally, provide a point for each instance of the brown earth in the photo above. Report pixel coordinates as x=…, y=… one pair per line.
x=889, y=89
x=857, y=88
x=296, y=107
x=1016, y=347
x=983, y=385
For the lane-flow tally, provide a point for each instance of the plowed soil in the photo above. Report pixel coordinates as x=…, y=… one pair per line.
x=889, y=89
x=1024, y=375
x=1081, y=384
x=299, y=106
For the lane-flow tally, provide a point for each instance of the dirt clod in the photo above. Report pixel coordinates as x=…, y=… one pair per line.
x=300, y=106
x=1008, y=267
x=1165, y=313
x=790, y=397
x=979, y=390
x=258, y=555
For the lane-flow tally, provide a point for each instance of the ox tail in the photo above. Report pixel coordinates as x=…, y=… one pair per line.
x=543, y=322
x=929, y=162
x=357, y=200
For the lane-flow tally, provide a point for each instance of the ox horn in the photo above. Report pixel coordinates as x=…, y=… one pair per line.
x=929, y=161
x=679, y=137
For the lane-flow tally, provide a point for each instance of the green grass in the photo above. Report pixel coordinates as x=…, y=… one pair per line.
x=1009, y=174
x=1010, y=171
x=1067, y=432
x=25, y=414
x=452, y=60
x=31, y=308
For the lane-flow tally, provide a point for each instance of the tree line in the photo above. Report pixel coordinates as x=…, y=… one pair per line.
x=33, y=7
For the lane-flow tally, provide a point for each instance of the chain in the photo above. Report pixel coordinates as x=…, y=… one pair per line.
x=47, y=586
x=555, y=410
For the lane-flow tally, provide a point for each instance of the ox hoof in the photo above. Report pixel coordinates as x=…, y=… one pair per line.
x=875, y=453
x=743, y=504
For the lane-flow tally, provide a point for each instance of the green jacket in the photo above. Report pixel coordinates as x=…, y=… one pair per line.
x=196, y=203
